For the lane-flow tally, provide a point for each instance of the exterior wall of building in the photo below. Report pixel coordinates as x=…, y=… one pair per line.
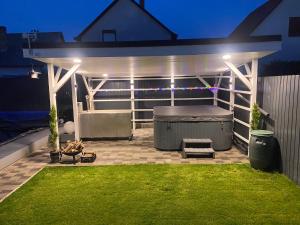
x=130, y=23
x=277, y=23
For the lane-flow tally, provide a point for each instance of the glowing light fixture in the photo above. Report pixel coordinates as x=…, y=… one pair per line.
x=77, y=60
x=226, y=57
x=105, y=75
x=34, y=74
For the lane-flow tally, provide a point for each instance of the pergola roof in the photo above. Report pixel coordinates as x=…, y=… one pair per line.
x=155, y=58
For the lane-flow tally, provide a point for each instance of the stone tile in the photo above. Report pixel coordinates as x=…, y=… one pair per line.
x=124, y=152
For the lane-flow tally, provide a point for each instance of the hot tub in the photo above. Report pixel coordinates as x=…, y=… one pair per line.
x=173, y=124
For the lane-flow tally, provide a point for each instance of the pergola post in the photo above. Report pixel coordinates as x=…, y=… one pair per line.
x=132, y=98
x=253, y=80
x=172, y=90
x=232, y=90
x=52, y=96
x=75, y=106
x=216, y=93
x=91, y=95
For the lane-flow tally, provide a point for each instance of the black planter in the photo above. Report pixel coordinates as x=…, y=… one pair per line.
x=55, y=157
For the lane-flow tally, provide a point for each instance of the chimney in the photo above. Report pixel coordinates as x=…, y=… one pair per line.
x=142, y=3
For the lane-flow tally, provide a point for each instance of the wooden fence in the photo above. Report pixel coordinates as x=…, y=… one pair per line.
x=280, y=96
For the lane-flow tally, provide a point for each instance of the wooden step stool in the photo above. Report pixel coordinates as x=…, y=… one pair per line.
x=197, y=148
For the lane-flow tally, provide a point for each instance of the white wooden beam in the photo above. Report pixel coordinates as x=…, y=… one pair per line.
x=52, y=96
x=89, y=91
x=57, y=75
x=172, y=89
x=91, y=96
x=248, y=71
x=66, y=77
x=100, y=85
x=75, y=106
x=132, y=98
x=232, y=93
x=239, y=74
x=86, y=84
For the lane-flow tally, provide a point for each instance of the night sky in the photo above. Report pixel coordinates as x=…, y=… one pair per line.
x=187, y=18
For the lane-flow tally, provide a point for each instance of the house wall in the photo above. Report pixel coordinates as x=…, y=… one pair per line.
x=277, y=23
x=284, y=109
x=130, y=23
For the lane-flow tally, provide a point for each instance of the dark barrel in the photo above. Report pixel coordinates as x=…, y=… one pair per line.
x=262, y=150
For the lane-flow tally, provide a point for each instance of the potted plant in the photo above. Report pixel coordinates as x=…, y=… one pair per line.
x=54, y=153
x=261, y=147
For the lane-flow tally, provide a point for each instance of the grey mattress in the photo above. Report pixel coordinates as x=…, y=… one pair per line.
x=191, y=113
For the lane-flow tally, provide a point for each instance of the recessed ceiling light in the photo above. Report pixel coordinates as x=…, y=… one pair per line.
x=226, y=57
x=77, y=60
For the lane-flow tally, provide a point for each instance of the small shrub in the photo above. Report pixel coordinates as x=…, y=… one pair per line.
x=256, y=116
x=53, y=128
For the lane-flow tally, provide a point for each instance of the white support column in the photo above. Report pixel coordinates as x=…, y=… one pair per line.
x=253, y=90
x=217, y=91
x=75, y=106
x=253, y=96
x=52, y=95
x=91, y=96
x=232, y=89
x=89, y=91
x=172, y=90
x=132, y=97
x=216, y=94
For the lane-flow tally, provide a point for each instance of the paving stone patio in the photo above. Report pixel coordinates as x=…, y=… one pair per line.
x=138, y=151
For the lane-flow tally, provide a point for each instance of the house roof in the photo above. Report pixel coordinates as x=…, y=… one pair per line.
x=11, y=54
x=156, y=43
x=255, y=18
x=78, y=38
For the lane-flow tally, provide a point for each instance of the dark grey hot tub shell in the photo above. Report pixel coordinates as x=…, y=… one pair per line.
x=173, y=124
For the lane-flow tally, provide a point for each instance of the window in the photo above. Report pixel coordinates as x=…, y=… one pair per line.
x=109, y=35
x=294, y=27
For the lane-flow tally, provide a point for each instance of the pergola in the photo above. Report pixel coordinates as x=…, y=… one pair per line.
x=171, y=60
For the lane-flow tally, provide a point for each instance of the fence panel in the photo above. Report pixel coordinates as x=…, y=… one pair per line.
x=281, y=98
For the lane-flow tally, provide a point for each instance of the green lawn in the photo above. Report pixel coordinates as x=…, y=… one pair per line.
x=154, y=194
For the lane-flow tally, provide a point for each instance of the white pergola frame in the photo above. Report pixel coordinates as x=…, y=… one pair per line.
x=56, y=81
x=134, y=61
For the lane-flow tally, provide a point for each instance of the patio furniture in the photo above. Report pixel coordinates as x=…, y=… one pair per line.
x=101, y=124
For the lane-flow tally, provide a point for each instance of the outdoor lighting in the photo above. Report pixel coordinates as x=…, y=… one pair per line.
x=226, y=57
x=105, y=75
x=77, y=60
x=34, y=74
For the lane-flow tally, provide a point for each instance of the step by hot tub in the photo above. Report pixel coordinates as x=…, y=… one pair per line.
x=173, y=124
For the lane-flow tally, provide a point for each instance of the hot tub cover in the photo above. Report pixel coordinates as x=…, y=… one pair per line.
x=191, y=113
